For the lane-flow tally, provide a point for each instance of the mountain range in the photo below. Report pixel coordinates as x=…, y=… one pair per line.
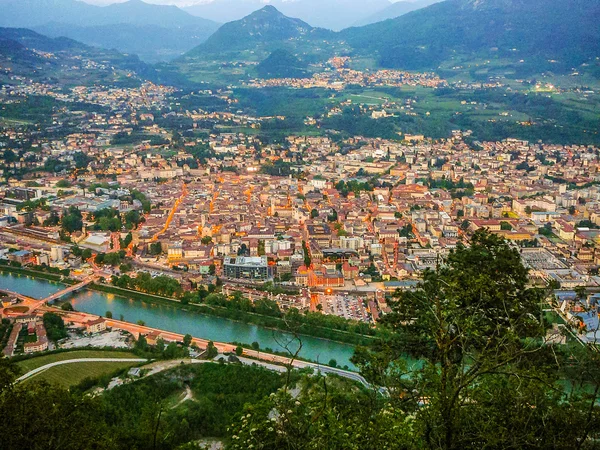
x=527, y=36
x=31, y=55
x=154, y=32
x=541, y=34
x=535, y=35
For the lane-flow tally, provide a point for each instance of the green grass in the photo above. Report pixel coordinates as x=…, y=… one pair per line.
x=8, y=121
x=28, y=365
x=71, y=374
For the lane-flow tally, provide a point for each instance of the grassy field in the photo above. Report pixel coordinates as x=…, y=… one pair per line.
x=71, y=374
x=33, y=363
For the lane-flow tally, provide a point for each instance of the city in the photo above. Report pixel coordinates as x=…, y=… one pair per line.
x=283, y=217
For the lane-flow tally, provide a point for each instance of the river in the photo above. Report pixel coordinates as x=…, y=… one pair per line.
x=179, y=321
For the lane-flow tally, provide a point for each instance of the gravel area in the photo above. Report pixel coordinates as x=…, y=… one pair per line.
x=115, y=339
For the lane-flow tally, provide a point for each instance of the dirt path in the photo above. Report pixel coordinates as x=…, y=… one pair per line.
x=189, y=395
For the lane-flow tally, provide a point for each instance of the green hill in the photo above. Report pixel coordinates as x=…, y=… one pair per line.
x=281, y=64
x=263, y=31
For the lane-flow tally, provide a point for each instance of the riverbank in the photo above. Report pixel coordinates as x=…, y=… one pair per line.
x=271, y=322
x=165, y=315
x=36, y=274
x=274, y=323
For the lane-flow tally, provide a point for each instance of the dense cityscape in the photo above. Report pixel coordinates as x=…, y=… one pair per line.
x=300, y=233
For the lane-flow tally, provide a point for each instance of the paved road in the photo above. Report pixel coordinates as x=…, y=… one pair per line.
x=73, y=361
x=303, y=364
x=136, y=330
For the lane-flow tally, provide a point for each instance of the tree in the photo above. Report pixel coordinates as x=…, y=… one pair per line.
x=67, y=306
x=307, y=258
x=261, y=248
x=333, y=362
x=63, y=184
x=239, y=351
x=55, y=326
x=211, y=350
x=141, y=344
x=109, y=315
x=155, y=248
x=187, y=340
x=333, y=217
x=206, y=240
x=255, y=345
x=314, y=214
x=477, y=327
x=72, y=220
x=406, y=231
x=124, y=243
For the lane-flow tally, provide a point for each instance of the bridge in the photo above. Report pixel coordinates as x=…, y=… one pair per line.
x=33, y=304
x=60, y=294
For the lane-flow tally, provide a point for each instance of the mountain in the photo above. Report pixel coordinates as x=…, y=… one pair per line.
x=395, y=10
x=66, y=62
x=262, y=31
x=157, y=32
x=330, y=14
x=30, y=40
x=544, y=34
x=151, y=43
x=282, y=64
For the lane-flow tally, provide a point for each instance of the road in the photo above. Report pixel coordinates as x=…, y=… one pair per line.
x=136, y=330
x=74, y=361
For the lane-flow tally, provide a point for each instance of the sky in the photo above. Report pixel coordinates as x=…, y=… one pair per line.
x=180, y=3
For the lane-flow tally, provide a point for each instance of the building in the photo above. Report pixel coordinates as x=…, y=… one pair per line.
x=95, y=326
x=248, y=268
x=41, y=343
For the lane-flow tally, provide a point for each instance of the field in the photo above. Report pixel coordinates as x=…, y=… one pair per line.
x=29, y=364
x=71, y=374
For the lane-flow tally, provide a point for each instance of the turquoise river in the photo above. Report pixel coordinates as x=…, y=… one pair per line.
x=179, y=321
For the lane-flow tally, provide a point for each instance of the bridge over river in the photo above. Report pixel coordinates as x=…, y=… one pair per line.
x=33, y=304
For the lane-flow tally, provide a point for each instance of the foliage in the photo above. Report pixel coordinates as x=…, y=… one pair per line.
x=477, y=330
x=211, y=350
x=281, y=64
x=155, y=248
x=72, y=220
x=328, y=413
x=136, y=415
x=144, y=282
x=137, y=195
x=278, y=168
x=55, y=326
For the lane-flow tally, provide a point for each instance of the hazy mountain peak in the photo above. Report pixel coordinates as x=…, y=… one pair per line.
x=267, y=27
